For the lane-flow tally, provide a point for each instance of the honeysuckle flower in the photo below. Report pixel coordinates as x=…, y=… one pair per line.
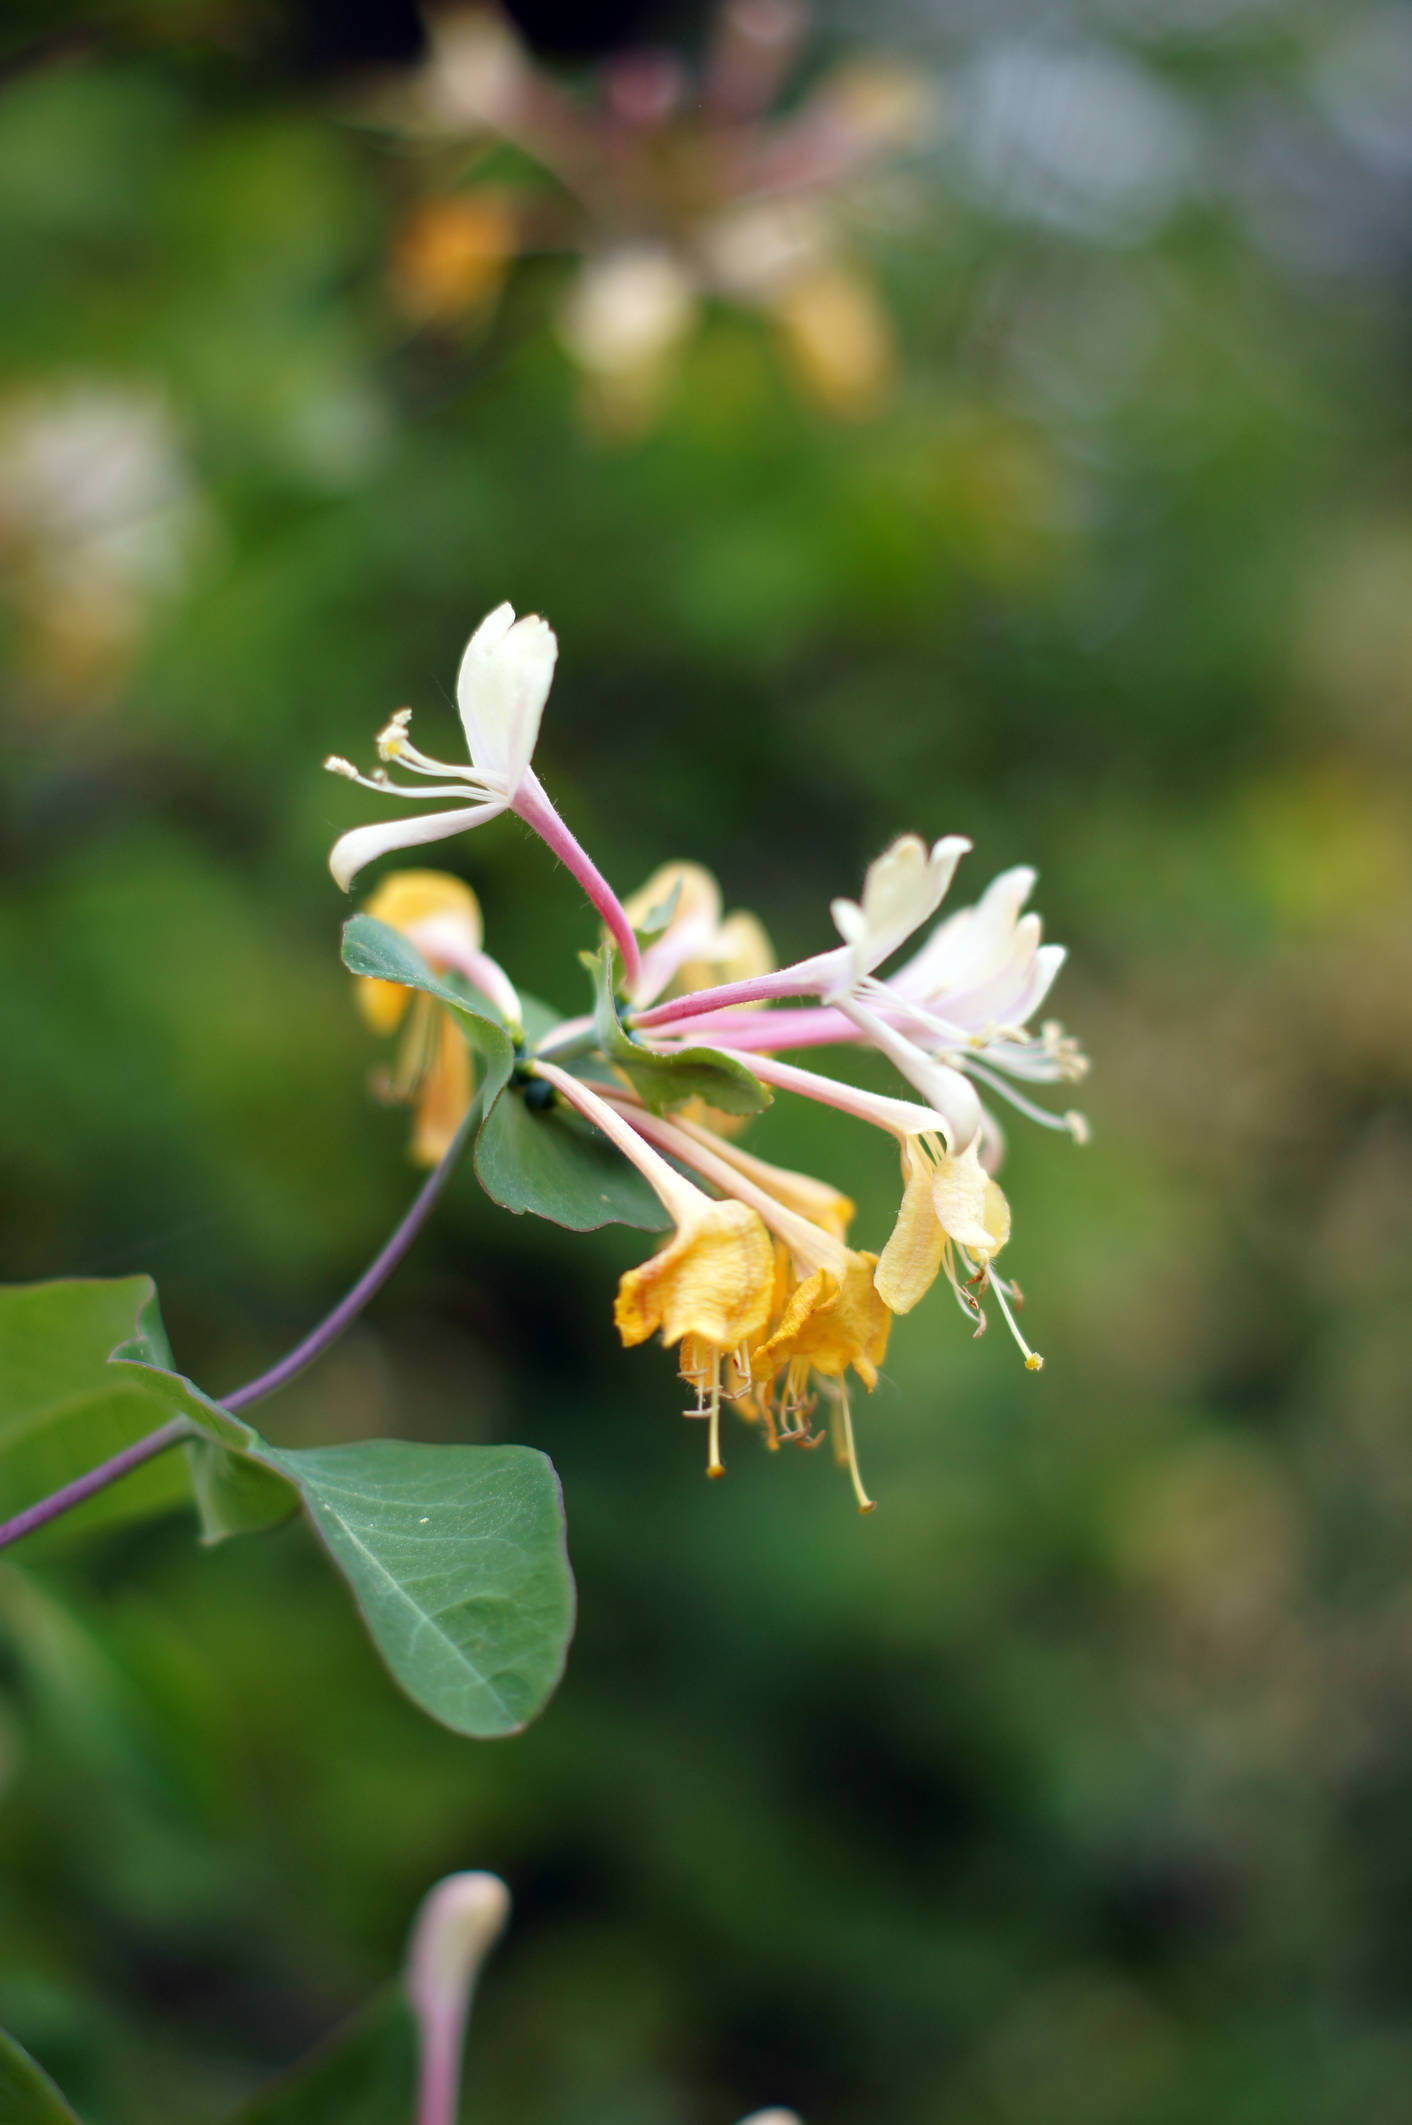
x=769, y=1306
x=825, y=1313
x=955, y=1013
x=712, y=1283
x=503, y=683
x=433, y=1072
x=901, y=890
x=952, y=1213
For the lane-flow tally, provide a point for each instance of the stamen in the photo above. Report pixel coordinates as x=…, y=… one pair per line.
x=715, y=1466
x=850, y=1455
x=1033, y=1360
x=1075, y=1124
x=337, y=765
x=393, y=738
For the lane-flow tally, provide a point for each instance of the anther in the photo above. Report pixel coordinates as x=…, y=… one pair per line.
x=337, y=765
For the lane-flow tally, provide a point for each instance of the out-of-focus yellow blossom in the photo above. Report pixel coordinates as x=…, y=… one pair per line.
x=433, y=1072
x=452, y=254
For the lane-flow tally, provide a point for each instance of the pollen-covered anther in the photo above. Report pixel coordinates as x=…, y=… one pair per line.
x=392, y=741
x=1077, y=1126
x=337, y=765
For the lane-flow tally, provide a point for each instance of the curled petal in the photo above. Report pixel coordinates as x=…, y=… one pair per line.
x=353, y=851
x=965, y=949
x=713, y=1280
x=901, y=890
x=831, y=1322
x=501, y=689
x=909, y=1263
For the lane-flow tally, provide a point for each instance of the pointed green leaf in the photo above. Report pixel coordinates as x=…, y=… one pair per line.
x=665, y=1081
x=64, y=1408
x=454, y=1554
x=27, y=2095
x=456, y=1557
x=548, y=1160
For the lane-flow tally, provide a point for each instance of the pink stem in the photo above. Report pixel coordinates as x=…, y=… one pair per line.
x=809, y=977
x=811, y=1026
x=534, y=807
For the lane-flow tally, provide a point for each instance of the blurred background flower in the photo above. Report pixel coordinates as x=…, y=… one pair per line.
x=676, y=184
x=1074, y=1782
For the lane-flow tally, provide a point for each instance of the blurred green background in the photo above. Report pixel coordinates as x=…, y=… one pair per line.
x=1072, y=1788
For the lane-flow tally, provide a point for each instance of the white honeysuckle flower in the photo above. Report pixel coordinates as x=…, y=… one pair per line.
x=501, y=689
x=628, y=310
x=964, y=946
x=905, y=886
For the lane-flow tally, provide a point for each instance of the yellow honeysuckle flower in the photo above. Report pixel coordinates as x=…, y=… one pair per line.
x=834, y=1319
x=831, y=1320
x=953, y=1215
x=433, y=1071
x=944, y=1200
x=710, y=1290
x=712, y=1281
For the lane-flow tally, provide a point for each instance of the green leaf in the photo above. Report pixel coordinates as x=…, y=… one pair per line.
x=27, y=2095
x=365, y=2074
x=552, y=1162
x=454, y=1554
x=456, y=1558
x=234, y=1494
x=380, y=953
x=64, y=1409
x=665, y=1081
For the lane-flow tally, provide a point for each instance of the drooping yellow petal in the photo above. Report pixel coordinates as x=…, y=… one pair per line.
x=831, y=1322
x=960, y=1193
x=838, y=339
x=909, y=1263
x=444, y=1094
x=944, y=1200
x=713, y=1280
x=402, y=900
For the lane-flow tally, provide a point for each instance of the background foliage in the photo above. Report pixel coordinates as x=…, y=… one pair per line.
x=1073, y=1785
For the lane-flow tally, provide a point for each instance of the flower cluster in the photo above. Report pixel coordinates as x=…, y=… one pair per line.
x=770, y=1308
x=672, y=191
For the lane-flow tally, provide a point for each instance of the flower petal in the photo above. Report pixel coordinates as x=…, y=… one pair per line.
x=501, y=689
x=902, y=888
x=353, y=851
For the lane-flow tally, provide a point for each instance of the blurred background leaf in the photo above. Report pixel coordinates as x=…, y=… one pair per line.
x=1093, y=1744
